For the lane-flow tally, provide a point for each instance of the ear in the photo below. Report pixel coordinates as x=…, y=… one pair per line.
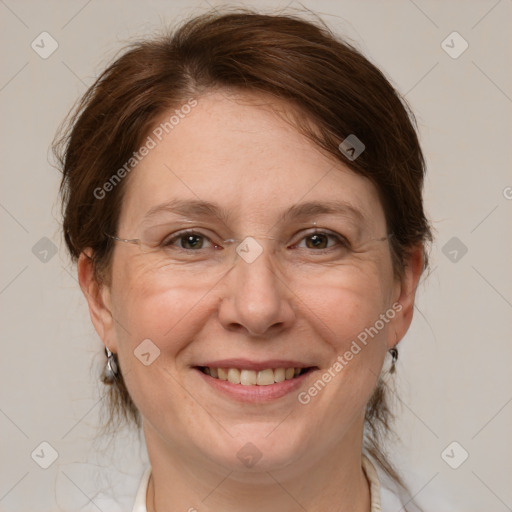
x=99, y=300
x=405, y=293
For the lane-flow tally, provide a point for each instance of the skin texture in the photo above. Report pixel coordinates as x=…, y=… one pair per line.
x=235, y=151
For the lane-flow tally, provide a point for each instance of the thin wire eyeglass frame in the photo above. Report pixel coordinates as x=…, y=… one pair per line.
x=140, y=243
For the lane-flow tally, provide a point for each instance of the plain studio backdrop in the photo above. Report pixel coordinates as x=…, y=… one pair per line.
x=451, y=60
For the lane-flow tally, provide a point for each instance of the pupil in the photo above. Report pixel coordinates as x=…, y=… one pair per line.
x=192, y=242
x=317, y=241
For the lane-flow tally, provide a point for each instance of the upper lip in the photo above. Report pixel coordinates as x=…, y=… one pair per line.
x=246, y=364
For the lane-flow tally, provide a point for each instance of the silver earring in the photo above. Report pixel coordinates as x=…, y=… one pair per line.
x=111, y=371
x=394, y=358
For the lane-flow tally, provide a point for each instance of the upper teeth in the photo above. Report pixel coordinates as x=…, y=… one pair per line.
x=252, y=377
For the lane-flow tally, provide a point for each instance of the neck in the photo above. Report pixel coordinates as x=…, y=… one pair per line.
x=334, y=481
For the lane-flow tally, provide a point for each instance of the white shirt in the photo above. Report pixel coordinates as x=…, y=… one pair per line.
x=391, y=501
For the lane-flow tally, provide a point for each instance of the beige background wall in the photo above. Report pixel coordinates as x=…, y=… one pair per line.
x=455, y=362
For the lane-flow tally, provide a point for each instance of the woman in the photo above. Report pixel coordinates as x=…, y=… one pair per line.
x=244, y=202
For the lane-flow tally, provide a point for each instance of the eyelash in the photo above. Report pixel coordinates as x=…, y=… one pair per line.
x=340, y=239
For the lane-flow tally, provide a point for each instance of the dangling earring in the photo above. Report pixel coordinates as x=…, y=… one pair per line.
x=394, y=358
x=111, y=371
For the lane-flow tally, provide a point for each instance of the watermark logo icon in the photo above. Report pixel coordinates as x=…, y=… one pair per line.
x=249, y=249
x=352, y=147
x=454, y=249
x=454, y=45
x=146, y=352
x=44, y=250
x=44, y=455
x=44, y=45
x=454, y=455
x=249, y=454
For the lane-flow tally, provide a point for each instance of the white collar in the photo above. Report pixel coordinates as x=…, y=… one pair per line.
x=368, y=467
x=140, y=498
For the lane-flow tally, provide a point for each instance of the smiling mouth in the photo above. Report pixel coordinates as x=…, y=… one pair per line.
x=245, y=377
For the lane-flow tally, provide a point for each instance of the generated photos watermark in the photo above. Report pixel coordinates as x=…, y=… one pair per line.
x=151, y=142
x=304, y=397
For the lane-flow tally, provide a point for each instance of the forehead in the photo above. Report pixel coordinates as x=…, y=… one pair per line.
x=238, y=153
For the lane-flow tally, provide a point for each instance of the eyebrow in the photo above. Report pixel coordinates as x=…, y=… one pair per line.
x=199, y=208
x=310, y=209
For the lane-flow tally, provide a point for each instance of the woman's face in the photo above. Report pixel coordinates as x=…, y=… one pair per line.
x=286, y=298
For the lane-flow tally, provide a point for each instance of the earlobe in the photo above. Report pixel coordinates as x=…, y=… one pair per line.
x=97, y=295
x=406, y=292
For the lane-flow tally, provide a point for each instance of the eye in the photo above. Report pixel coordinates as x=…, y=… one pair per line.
x=188, y=240
x=322, y=240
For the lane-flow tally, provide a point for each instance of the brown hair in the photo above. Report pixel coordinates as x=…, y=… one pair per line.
x=332, y=87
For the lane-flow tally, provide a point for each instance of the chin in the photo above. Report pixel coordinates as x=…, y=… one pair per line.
x=255, y=447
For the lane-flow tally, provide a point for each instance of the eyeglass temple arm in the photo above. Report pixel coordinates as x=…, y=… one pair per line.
x=125, y=240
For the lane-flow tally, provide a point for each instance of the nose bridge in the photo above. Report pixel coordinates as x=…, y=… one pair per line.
x=256, y=297
x=256, y=261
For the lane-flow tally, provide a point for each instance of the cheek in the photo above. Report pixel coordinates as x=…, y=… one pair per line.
x=346, y=303
x=150, y=307
x=151, y=303
x=354, y=315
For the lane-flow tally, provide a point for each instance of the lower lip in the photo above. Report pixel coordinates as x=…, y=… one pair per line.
x=255, y=393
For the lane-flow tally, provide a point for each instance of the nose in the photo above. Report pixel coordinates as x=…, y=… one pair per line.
x=256, y=299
